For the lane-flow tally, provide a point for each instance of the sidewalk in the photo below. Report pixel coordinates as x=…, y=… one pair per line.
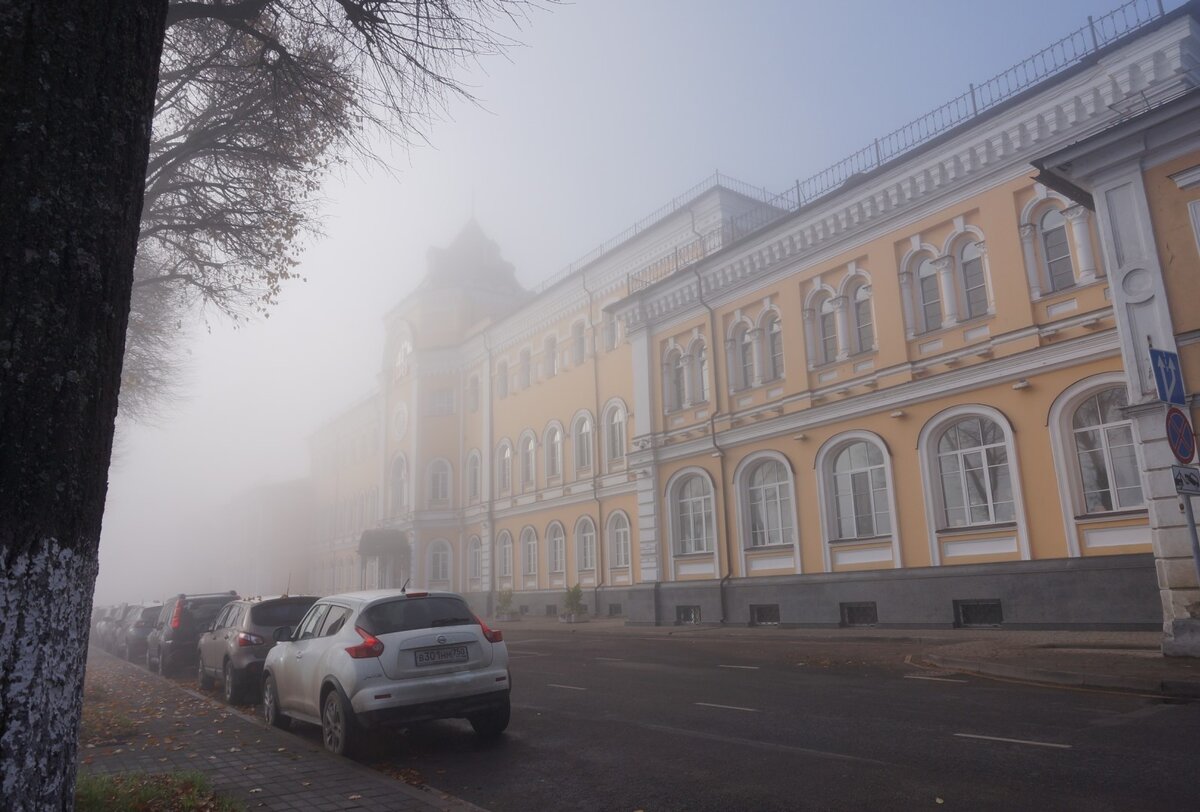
x=1122, y=661
x=142, y=723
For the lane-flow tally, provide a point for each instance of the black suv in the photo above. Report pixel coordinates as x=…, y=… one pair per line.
x=172, y=641
x=233, y=648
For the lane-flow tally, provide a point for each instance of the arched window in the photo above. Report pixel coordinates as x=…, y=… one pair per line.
x=614, y=434
x=578, y=343
x=550, y=356
x=745, y=349
x=504, y=467
x=399, y=485
x=773, y=334
x=699, y=372
x=676, y=395
x=526, y=371
x=827, y=330
x=1056, y=250
x=474, y=482
x=695, y=530
x=553, y=444
x=864, y=319
x=439, y=561
x=439, y=482
x=929, y=295
x=528, y=457
x=1104, y=447
x=585, y=544
x=974, y=282
x=618, y=539
x=583, y=442
x=610, y=331
x=557, y=540
x=769, y=496
x=975, y=478
x=474, y=558
x=502, y=378
x=860, y=492
x=529, y=551
x=505, y=553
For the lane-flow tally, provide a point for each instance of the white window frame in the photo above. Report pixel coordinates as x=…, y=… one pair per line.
x=556, y=549
x=474, y=476
x=441, y=478
x=552, y=443
x=504, y=458
x=504, y=551
x=474, y=558
x=698, y=350
x=826, y=456
x=621, y=548
x=550, y=356
x=527, y=461
x=578, y=441
x=585, y=544
x=529, y=552
x=706, y=507
x=615, y=439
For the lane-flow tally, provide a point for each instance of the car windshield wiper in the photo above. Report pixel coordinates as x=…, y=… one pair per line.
x=452, y=621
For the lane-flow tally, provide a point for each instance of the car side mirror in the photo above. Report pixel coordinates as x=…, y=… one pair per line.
x=282, y=634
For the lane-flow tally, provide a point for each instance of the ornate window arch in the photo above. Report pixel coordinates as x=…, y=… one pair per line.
x=766, y=489
x=529, y=552
x=619, y=542
x=585, y=544
x=552, y=442
x=583, y=440
x=856, y=491
x=399, y=483
x=504, y=548
x=771, y=328
x=615, y=430
x=741, y=354
x=927, y=290
x=675, y=393
x=440, y=563
x=527, y=460
x=504, y=459
x=474, y=558
x=698, y=352
x=692, y=512
x=556, y=548
x=1056, y=242
x=474, y=476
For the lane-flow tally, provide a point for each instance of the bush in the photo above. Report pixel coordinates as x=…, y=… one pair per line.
x=504, y=602
x=574, y=603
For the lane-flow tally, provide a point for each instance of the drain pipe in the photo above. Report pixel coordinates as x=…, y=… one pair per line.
x=600, y=569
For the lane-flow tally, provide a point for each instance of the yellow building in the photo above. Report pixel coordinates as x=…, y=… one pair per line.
x=894, y=394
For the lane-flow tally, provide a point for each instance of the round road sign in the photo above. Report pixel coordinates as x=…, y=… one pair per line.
x=1180, y=436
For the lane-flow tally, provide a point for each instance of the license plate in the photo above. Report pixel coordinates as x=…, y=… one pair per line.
x=441, y=656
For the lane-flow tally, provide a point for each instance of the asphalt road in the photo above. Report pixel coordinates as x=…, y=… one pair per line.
x=706, y=722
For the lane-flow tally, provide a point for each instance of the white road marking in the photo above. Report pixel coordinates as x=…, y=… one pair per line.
x=932, y=679
x=567, y=687
x=1014, y=741
x=612, y=659
x=727, y=707
x=743, y=667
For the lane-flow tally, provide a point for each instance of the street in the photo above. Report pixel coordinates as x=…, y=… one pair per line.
x=710, y=721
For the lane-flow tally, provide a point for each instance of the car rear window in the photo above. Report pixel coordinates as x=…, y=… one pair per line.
x=408, y=614
x=151, y=612
x=280, y=613
x=204, y=612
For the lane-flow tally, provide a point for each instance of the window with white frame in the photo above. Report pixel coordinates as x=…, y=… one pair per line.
x=610, y=332
x=976, y=483
x=860, y=492
x=769, y=499
x=929, y=295
x=1056, y=250
x=557, y=542
x=773, y=335
x=504, y=467
x=1104, y=449
x=502, y=379
x=473, y=476
x=744, y=347
x=578, y=343
x=973, y=279
x=474, y=558
x=554, y=452
x=827, y=338
x=526, y=370
x=399, y=485
x=695, y=530
x=618, y=539
x=439, y=562
x=529, y=551
x=585, y=544
x=583, y=443
x=699, y=372
x=675, y=395
x=864, y=319
x=614, y=437
x=528, y=457
x=505, y=554
x=439, y=482
x=550, y=356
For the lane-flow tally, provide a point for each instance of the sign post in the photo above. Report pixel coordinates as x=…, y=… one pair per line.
x=1168, y=378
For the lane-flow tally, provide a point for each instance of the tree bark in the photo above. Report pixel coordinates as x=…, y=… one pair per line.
x=77, y=82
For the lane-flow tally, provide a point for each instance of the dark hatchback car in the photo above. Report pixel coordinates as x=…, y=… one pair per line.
x=131, y=642
x=171, y=644
x=233, y=649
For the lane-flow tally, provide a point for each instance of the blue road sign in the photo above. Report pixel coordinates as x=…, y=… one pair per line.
x=1168, y=375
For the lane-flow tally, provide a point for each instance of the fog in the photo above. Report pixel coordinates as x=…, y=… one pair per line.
x=606, y=111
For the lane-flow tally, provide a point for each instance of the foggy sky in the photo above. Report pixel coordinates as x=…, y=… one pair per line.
x=609, y=109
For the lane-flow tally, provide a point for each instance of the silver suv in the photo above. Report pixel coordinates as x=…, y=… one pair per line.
x=386, y=657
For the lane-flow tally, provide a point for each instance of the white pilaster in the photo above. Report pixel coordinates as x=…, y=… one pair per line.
x=1078, y=217
x=945, y=271
x=842, y=316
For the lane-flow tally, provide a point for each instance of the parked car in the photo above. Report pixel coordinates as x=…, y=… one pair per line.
x=234, y=647
x=99, y=615
x=114, y=629
x=106, y=626
x=380, y=658
x=171, y=643
x=131, y=643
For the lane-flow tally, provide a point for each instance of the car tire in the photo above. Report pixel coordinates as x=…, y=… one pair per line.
x=164, y=663
x=231, y=685
x=339, y=726
x=490, y=724
x=202, y=677
x=271, y=712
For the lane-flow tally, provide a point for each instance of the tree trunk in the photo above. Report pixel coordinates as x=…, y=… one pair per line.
x=77, y=80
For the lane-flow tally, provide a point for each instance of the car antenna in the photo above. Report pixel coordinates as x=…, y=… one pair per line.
x=288, y=587
x=406, y=580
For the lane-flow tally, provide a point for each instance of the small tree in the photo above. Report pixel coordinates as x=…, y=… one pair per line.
x=574, y=602
x=504, y=602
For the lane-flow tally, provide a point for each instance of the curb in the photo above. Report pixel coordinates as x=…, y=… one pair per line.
x=1181, y=689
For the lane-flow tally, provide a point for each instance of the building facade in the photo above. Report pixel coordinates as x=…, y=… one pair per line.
x=905, y=392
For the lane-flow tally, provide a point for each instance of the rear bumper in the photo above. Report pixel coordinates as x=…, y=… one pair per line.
x=456, y=708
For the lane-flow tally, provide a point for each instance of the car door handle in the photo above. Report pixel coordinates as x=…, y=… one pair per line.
x=299, y=654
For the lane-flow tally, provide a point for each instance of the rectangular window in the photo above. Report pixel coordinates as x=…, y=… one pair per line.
x=687, y=614
x=931, y=302
x=552, y=610
x=766, y=614
x=976, y=613
x=615, y=610
x=859, y=614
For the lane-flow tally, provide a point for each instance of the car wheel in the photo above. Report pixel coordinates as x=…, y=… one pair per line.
x=164, y=663
x=202, y=677
x=271, y=712
x=339, y=728
x=232, y=685
x=490, y=724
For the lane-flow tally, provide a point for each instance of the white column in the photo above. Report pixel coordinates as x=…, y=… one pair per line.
x=841, y=316
x=945, y=271
x=1032, y=272
x=987, y=276
x=906, y=300
x=688, y=383
x=1081, y=235
x=756, y=336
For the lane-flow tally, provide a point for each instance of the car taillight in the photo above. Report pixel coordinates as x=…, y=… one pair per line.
x=371, y=646
x=492, y=635
x=176, y=616
x=247, y=639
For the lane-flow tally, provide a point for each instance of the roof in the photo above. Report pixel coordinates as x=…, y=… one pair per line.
x=472, y=261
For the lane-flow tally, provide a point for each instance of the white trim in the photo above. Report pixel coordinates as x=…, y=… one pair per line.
x=586, y=517
x=608, y=531
x=669, y=498
x=743, y=505
x=825, y=493
x=444, y=545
